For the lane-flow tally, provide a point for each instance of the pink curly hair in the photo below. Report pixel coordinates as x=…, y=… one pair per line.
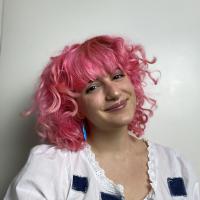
x=68, y=73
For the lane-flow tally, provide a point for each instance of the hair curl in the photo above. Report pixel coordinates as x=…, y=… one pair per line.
x=68, y=73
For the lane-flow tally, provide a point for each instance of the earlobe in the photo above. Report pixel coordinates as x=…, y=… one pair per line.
x=80, y=115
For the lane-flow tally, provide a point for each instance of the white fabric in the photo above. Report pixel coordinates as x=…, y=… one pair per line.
x=49, y=171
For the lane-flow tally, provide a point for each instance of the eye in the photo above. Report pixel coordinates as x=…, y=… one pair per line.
x=91, y=88
x=119, y=74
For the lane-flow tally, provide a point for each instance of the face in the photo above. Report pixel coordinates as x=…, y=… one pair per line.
x=109, y=101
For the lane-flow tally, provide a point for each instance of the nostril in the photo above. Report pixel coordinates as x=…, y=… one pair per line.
x=112, y=98
x=113, y=94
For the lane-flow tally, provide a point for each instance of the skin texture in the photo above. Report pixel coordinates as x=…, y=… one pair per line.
x=108, y=132
x=103, y=93
x=59, y=121
x=108, y=129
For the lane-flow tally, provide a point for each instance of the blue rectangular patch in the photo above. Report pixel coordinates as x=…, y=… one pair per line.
x=176, y=186
x=106, y=196
x=80, y=183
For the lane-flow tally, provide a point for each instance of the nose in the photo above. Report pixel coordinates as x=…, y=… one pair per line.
x=112, y=91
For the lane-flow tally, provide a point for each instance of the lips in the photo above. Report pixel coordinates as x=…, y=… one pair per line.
x=119, y=105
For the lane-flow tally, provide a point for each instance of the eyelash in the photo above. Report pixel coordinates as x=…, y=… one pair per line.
x=119, y=75
x=115, y=77
x=91, y=88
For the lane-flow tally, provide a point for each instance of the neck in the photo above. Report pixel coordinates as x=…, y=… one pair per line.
x=116, y=140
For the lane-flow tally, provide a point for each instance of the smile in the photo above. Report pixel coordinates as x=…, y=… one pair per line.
x=117, y=106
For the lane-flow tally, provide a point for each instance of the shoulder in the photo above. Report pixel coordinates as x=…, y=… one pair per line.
x=48, y=152
x=48, y=174
x=171, y=167
x=48, y=161
x=46, y=158
x=43, y=175
x=168, y=156
x=50, y=158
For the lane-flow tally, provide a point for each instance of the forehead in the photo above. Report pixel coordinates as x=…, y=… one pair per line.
x=88, y=72
x=90, y=62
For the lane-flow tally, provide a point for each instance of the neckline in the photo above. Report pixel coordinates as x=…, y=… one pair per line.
x=117, y=188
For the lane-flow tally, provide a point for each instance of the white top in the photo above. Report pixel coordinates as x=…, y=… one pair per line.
x=54, y=174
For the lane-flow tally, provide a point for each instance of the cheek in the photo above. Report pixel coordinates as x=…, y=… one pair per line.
x=131, y=91
x=129, y=87
x=91, y=105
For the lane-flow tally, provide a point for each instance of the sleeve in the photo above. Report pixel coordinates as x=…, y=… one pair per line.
x=44, y=176
x=192, y=181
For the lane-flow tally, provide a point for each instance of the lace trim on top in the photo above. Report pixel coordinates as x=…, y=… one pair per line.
x=118, y=189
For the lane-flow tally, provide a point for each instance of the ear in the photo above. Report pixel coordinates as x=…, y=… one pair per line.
x=80, y=115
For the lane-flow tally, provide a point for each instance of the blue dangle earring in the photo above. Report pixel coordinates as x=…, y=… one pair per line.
x=84, y=132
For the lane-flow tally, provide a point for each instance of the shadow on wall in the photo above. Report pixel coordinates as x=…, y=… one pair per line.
x=16, y=148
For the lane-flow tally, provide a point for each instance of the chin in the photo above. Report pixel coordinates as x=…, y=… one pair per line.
x=122, y=120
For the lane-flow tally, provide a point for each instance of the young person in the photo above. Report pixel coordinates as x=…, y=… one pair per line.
x=92, y=111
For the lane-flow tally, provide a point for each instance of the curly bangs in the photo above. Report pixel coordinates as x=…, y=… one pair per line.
x=67, y=74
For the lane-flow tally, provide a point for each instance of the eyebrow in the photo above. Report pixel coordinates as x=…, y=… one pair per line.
x=90, y=81
x=96, y=80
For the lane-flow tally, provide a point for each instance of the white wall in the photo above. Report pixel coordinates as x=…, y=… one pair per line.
x=1, y=20
x=34, y=29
